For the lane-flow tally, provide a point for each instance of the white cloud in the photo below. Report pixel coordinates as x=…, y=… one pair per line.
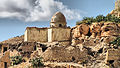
x=35, y=10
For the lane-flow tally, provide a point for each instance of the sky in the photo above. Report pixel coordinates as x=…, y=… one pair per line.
x=16, y=15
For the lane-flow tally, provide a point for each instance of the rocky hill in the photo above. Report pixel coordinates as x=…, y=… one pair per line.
x=14, y=40
x=93, y=46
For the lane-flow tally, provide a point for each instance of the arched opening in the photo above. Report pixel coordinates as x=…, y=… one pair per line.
x=60, y=25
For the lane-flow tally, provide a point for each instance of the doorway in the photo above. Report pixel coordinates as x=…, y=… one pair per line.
x=4, y=49
x=5, y=64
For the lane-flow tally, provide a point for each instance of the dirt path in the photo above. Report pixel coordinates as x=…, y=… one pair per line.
x=66, y=64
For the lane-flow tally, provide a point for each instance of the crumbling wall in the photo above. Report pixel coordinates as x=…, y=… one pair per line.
x=36, y=34
x=27, y=46
x=5, y=58
x=64, y=54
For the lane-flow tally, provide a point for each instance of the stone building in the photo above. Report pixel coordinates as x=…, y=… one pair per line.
x=116, y=11
x=57, y=32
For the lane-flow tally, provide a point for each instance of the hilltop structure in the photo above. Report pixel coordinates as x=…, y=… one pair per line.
x=116, y=11
x=57, y=32
x=85, y=46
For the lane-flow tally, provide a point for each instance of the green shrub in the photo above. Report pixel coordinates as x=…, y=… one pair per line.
x=116, y=41
x=15, y=60
x=36, y=62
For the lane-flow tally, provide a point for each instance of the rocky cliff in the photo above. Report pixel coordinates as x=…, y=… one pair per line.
x=97, y=38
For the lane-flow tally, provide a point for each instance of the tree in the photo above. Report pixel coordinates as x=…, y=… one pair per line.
x=100, y=18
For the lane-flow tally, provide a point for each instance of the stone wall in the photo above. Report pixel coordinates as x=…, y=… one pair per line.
x=59, y=34
x=36, y=34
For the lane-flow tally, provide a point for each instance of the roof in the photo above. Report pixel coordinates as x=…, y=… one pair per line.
x=58, y=17
x=36, y=28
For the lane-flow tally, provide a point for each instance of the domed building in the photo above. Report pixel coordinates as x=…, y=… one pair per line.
x=57, y=32
x=58, y=20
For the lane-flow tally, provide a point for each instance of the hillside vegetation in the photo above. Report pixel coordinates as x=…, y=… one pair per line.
x=99, y=18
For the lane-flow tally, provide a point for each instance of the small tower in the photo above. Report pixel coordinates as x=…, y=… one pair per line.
x=58, y=20
x=117, y=5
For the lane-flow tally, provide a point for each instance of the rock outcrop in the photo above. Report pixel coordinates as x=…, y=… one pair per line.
x=95, y=30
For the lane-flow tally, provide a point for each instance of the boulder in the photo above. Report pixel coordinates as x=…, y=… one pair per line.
x=84, y=29
x=80, y=30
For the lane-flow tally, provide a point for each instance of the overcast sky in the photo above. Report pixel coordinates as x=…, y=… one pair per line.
x=16, y=15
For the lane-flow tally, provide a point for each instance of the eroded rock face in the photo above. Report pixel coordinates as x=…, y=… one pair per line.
x=110, y=29
x=96, y=29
